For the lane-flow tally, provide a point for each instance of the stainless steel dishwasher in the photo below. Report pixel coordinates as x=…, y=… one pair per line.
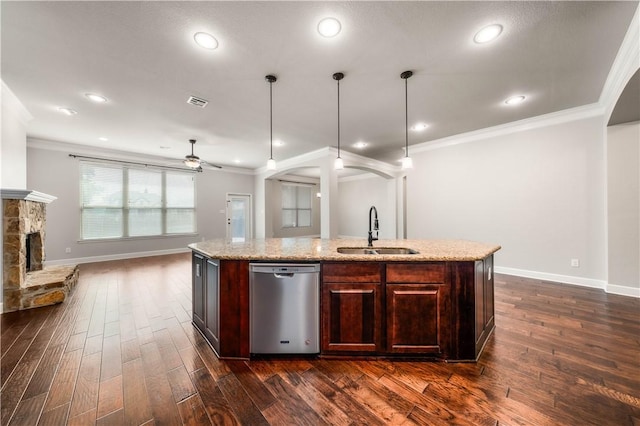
x=284, y=308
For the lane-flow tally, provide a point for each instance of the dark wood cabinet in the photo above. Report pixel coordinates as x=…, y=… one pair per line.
x=212, y=308
x=484, y=323
x=198, y=295
x=220, y=299
x=352, y=307
x=418, y=302
x=234, y=309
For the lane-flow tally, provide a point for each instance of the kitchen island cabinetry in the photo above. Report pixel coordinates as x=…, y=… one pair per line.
x=435, y=302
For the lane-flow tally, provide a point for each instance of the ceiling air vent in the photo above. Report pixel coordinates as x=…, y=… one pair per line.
x=199, y=102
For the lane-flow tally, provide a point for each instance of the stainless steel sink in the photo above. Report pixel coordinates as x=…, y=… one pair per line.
x=376, y=250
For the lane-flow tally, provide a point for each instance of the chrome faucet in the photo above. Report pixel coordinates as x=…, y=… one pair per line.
x=375, y=225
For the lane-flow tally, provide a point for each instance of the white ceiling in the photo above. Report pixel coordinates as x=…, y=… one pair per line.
x=142, y=57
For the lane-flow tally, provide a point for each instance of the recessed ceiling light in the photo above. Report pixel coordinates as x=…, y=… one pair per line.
x=278, y=143
x=96, y=98
x=329, y=27
x=360, y=145
x=67, y=111
x=514, y=100
x=237, y=161
x=164, y=147
x=488, y=33
x=206, y=40
x=103, y=139
x=418, y=127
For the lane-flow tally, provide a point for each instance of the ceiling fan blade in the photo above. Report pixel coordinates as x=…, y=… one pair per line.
x=210, y=164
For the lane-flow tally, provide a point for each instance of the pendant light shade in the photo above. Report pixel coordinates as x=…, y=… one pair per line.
x=339, y=164
x=407, y=163
x=271, y=164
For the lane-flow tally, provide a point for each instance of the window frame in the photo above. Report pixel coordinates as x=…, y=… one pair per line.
x=297, y=209
x=125, y=208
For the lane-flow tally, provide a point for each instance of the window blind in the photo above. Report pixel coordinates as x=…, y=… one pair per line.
x=120, y=201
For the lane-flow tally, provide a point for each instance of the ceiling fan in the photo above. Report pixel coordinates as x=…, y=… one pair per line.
x=194, y=162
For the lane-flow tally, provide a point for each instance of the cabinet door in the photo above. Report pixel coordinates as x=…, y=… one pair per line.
x=351, y=317
x=489, y=310
x=479, y=290
x=418, y=308
x=417, y=318
x=198, y=290
x=484, y=301
x=212, y=319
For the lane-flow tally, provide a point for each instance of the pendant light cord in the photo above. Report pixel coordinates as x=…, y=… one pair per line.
x=406, y=119
x=271, y=118
x=338, y=118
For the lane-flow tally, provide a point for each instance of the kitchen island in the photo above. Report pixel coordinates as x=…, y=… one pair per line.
x=428, y=299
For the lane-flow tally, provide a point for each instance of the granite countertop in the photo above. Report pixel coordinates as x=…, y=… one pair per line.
x=316, y=249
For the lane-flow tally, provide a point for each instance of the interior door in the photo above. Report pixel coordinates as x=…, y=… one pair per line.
x=239, y=217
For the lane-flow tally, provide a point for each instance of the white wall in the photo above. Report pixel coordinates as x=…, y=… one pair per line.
x=356, y=195
x=623, y=193
x=55, y=173
x=13, y=145
x=539, y=193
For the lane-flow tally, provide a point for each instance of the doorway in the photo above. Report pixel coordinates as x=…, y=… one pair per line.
x=239, y=217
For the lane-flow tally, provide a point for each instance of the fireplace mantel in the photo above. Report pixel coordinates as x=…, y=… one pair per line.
x=25, y=194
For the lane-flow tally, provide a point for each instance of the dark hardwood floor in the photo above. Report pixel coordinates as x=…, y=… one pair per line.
x=122, y=351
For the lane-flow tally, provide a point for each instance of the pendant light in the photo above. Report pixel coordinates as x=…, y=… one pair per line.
x=339, y=164
x=407, y=163
x=271, y=164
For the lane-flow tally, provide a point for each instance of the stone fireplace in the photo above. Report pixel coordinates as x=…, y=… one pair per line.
x=26, y=283
x=34, y=253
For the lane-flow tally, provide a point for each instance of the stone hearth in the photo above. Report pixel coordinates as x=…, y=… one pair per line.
x=24, y=219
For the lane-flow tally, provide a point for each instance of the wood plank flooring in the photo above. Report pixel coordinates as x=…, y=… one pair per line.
x=122, y=351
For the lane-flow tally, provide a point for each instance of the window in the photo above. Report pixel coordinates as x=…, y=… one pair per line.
x=296, y=206
x=119, y=202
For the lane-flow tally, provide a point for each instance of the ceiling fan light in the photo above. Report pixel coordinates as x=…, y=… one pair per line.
x=271, y=164
x=338, y=164
x=407, y=163
x=192, y=161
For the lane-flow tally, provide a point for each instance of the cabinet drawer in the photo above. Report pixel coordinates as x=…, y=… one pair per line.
x=415, y=272
x=351, y=272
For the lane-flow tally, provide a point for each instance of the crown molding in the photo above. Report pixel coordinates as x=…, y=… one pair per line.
x=626, y=63
x=551, y=119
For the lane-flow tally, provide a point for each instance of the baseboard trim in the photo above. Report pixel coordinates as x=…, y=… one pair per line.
x=563, y=279
x=623, y=290
x=119, y=256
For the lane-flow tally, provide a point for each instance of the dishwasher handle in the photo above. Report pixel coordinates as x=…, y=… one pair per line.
x=281, y=275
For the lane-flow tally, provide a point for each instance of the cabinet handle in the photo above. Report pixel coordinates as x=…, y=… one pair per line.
x=197, y=270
